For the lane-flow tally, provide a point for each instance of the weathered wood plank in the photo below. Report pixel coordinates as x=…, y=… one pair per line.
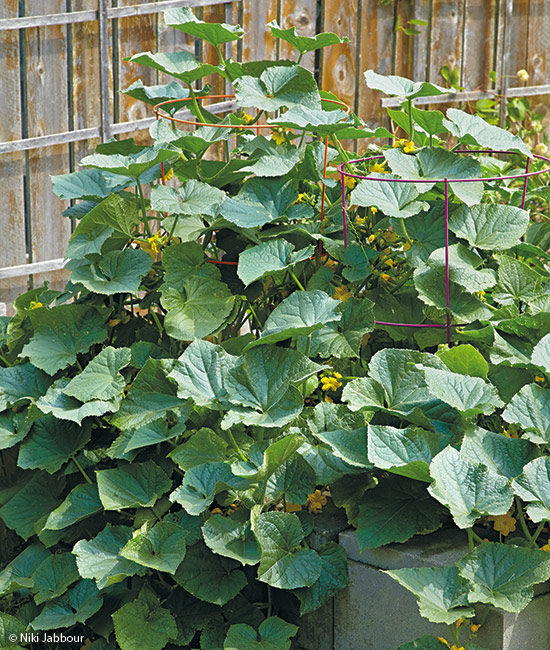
x=258, y=42
x=538, y=50
x=518, y=37
x=12, y=166
x=339, y=69
x=421, y=42
x=446, y=36
x=479, y=44
x=403, y=43
x=301, y=14
x=47, y=112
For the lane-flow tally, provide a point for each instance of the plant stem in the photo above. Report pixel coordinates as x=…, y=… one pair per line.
x=269, y=602
x=81, y=470
x=143, y=209
x=195, y=103
x=522, y=521
x=471, y=539
x=255, y=316
x=296, y=280
x=342, y=153
x=157, y=323
x=536, y=534
x=409, y=104
x=172, y=230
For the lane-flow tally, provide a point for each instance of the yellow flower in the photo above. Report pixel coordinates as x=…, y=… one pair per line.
x=169, y=175
x=350, y=182
x=374, y=210
x=331, y=264
x=293, y=507
x=360, y=221
x=406, y=246
x=330, y=383
x=302, y=198
x=247, y=118
x=541, y=149
x=278, y=135
x=114, y=322
x=398, y=143
x=329, y=399
x=385, y=277
x=337, y=375
x=379, y=168
x=216, y=511
x=459, y=622
x=316, y=501
x=455, y=647
x=505, y=524
x=539, y=379
x=474, y=627
x=409, y=147
x=35, y=305
x=546, y=548
x=389, y=263
x=522, y=76
x=342, y=293
x=372, y=238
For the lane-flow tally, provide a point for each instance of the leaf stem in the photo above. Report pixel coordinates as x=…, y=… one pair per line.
x=81, y=470
x=409, y=105
x=296, y=280
x=522, y=521
x=142, y=205
x=537, y=532
x=342, y=153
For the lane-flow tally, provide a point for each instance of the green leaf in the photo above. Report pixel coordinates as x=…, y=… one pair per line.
x=50, y=444
x=463, y=269
x=210, y=577
x=76, y=606
x=394, y=511
x=533, y=486
x=101, y=379
x=502, y=455
x=119, y=213
x=273, y=634
x=318, y=121
x=295, y=480
x=541, y=354
x=305, y=43
x=489, y=226
x=30, y=502
x=441, y=592
x=100, y=558
x=201, y=309
x=115, y=272
x=407, y=452
x=90, y=184
x=21, y=384
x=278, y=87
x=130, y=486
x=271, y=159
x=402, y=87
x=204, y=446
x=18, y=574
x=472, y=130
x=517, y=281
x=190, y=614
x=157, y=94
x=268, y=258
x=11, y=631
x=184, y=19
x=284, y=564
x=465, y=360
x=469, y=395
x=231, y=538
x=275, y=455
x=502, y=575
x=161, y=548
x=334, y=576
x=440, y=163
x=81, y=502
x=139, y=624
x=427, y=642
x=52, y=578
x=393, y=199
x=299, y=314
x=468, y=488
x=61, y=333
x=348, y=444
x=200, y=373
x=258, y=202
x=430, y=121
x=133, y=164
x=150, y=434
x=530, y=408
x=191, y=198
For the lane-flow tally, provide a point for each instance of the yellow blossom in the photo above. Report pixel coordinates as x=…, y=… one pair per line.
x=247, y=118
x=330, y=383
x=474, y=627
x=522, y=76
x=216, y=511
x=541, y=149
x=409, y=147
x=455, y=647
x=406, y=246
x=374, y=210
x=329, y=399
x=390, y=263
x=440, y=638
x=302, y=198
x=546, y=548
x=360, y=221
x=35, y=305
x=539, y=379
x=331, y=264
x=505, y=524
x=459, y=622
x=385, y=277
x=114, y=322
x=398, y=143
x=350, y=182
x=316, y=501
x=379, y=168
x=278, y=135
x=342, y=293
x=372, y=238
x=169, y=175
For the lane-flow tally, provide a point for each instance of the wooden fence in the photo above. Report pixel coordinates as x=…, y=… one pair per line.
x=62, y=69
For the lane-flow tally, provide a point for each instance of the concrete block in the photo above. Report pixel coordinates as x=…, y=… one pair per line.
x=316, y=630
x=530, y=629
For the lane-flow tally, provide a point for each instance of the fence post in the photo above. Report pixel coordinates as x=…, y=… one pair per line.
x=508, y=9
x=104, y=71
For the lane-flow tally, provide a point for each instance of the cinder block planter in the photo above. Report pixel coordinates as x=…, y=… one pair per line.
x=376, y=613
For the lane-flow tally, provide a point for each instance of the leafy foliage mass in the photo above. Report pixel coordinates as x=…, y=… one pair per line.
x=212, y=370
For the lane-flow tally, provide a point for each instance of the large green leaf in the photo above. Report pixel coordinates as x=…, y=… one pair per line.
x=472, y=129
x=76, y=606
x=182, y=261
x=204, y=446
x=140, y=624
x=517, y=281
x=334, y=576
x=210, y=577
x=530, y=408
x=269, y=159
x=502, y=455
x=489, y=226
x=440, y=163
x=468, y=488
x=541, y=354
x=273, y=634
x=300, y=314
x=21, y=384
x=101, y=379
x=157, y=94
x=192, y=197
x=260, y=201
x=81, y=502
x=161, y=548
x=18, y=574
x=394, y=511
x=278, y=87
x=349, y=444
x=274, y=456
x=533, y=486
x=51, y=443
x=305, y=43
x=115, y=272
x=503, y=575
x=441, y=592
x=52, y=578
x=232, y=538
x=91, y=184
x=11, y=632
x=402, y=87
x=115, y=213
x=295, y=480
x=130, y=486
x=100, y=558
x=200, y=373
x=133, y=164
x=268, y=258
x=463, y=269
x=201, y=309
x=465, y=360
x=393, y=199
x=284, y=563
x=407, y=452
x=61, y=333
x=184, y=19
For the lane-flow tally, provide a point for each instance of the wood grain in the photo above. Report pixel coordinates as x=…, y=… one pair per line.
x=47, y=112
x=339, y=68
x=301, y=14
x=421, y=42
x=479, y=43
x=12, y=166
x=258, y=42
x=538, y=49
x=446, y=38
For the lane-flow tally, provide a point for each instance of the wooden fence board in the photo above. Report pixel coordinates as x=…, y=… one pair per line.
x=538, y=48
x=12, y=166
x=258, y=42
x=47, y=112
x=301, y=14
x=478, y=44
x=421, y=42
x=446, y=38
x=339, y=70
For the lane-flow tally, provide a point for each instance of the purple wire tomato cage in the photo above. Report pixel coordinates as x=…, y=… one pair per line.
x=525, y=176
